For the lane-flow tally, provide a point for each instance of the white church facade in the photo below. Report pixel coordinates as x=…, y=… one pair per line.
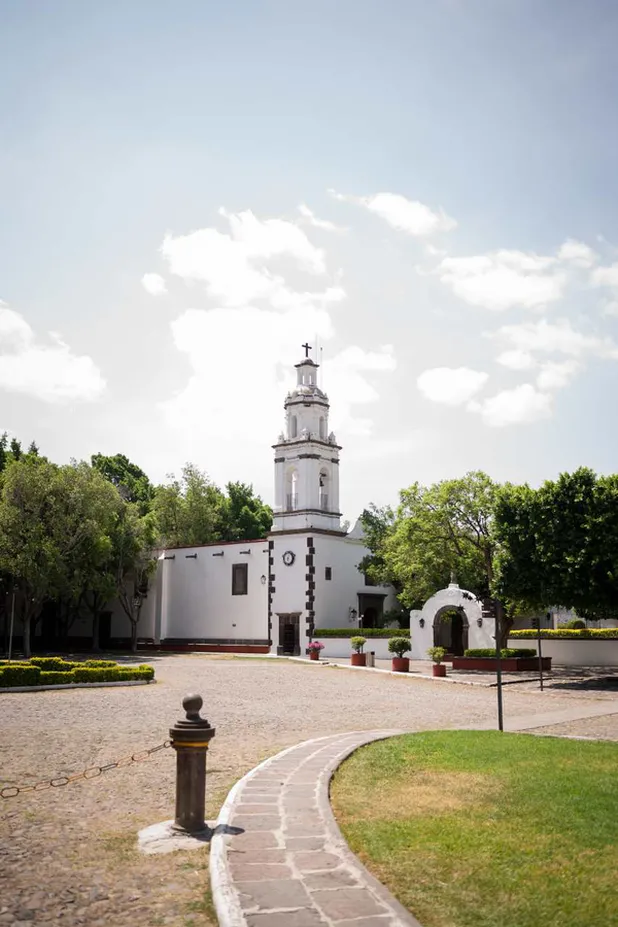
x=271, y=594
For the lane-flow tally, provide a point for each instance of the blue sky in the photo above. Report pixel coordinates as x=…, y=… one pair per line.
x=479, y=333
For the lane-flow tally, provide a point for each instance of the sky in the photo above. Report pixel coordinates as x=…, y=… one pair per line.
x=426, y=192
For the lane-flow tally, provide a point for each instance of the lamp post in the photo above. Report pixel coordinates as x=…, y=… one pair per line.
x=498, y=667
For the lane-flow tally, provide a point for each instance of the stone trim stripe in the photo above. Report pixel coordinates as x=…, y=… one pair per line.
x=288, y=854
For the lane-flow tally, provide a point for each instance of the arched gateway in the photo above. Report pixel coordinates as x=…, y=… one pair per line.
x=466, y=626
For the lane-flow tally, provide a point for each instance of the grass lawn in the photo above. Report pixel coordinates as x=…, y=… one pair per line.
x=482, y=829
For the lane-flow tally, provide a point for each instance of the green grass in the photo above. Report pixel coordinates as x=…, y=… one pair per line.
x=482, y=829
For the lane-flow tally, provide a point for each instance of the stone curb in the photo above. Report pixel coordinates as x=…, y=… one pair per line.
x=79, y=685
x=226, y=895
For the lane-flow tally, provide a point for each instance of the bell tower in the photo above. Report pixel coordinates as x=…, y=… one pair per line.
x=306, y=458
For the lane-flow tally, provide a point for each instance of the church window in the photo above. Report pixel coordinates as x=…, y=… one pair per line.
x=323, y=492
x=322, y=428
x=328, y=573
x=293, y=427
x=240, y=578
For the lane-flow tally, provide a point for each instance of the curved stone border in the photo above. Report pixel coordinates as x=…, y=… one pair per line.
x=278, y=858
x=78, y=685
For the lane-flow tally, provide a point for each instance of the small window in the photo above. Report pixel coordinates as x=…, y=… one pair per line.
x=369, y=581
x=328, y=573
x=240, y=573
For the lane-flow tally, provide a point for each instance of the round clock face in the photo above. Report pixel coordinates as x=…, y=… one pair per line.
x=289, y=557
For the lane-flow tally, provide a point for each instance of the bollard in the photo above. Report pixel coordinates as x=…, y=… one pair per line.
x=190, y=737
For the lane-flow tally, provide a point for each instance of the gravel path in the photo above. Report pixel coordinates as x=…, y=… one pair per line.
x=67, y=855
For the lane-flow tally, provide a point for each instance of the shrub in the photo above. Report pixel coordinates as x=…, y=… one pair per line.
x=55, y=677
x=575, y=624
x=437, y=654
x=315, y=645
x=98, y=664
x=52, y=664
x=357, y=643
x=567, y=634
x=19, y=675
x=367, y=632
x=399, y=646
x=505, y=653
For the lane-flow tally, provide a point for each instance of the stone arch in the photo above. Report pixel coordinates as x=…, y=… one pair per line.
x=478, y=629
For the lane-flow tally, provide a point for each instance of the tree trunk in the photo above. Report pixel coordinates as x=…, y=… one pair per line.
x=504, y=623
x=26, y=637
x=95, y=632
x=133, y=636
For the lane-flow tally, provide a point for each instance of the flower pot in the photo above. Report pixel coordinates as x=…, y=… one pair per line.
x=401, y=664
x=358, y=659
x=439, y=669
x=314, y=654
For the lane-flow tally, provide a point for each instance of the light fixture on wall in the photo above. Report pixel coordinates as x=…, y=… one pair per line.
x=479, y=621
x=262, y=579
x=421, y=622
x=352, y=614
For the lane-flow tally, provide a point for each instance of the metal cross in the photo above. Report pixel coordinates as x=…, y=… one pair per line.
x=307, y=348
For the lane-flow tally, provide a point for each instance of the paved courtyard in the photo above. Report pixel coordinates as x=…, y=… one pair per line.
x=67, y=855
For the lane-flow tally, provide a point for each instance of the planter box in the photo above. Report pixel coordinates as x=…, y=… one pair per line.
x=508, y=665
x=439, y=670
x=401, y=664
x=358, y=659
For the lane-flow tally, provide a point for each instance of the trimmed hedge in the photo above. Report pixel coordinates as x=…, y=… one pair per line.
x=567, y=634
x=360, y=632
x=29, y=674
x=506, y=653
x=54, y=664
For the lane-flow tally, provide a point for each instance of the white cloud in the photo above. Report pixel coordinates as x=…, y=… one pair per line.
x=577, y=253
x=50, y=372
x=605, y=276
x=556, y=374
x=517, y=406
x=239, y=392
x=451, y=386
x=504, y=279
x=554, y=337
x=402, y=214
x=234, y=266
x=154, y=284
x=516, y=359
x=313, y=220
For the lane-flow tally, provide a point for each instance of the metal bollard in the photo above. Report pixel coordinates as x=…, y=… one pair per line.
x=190, y=737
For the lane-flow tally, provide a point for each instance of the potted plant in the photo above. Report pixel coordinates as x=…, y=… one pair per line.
x=358, y=658
x=437, y=654
x=398, y=646
x=314, y=648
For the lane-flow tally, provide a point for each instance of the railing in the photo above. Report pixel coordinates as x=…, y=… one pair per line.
x=291, y=502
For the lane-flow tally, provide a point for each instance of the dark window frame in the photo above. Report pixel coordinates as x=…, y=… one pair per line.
x=328, y=573
x=240, y=579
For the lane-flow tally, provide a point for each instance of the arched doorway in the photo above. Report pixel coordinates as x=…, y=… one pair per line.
x=450, y=630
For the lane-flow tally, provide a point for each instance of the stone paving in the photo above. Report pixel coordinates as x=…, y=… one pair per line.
x=289, y=864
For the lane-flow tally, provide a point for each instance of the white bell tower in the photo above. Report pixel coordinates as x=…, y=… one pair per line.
x=306, y=458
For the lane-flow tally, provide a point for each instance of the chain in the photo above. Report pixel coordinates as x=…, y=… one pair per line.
x=92, y=772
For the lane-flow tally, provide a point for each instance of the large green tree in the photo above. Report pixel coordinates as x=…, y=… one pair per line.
x=129, y=479
x=559, y=543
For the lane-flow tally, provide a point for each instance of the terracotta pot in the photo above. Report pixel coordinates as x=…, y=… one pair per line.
x=439, y=669
x=314, y=654
x=358, y=659
x=401, y=664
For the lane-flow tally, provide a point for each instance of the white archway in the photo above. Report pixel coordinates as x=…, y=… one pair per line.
x=478, y=629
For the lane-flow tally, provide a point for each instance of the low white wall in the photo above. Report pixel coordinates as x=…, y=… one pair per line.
x=338, y=647
x=574, y=653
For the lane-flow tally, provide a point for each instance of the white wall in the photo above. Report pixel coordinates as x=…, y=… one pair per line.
x=574, y=653
x=334, y=598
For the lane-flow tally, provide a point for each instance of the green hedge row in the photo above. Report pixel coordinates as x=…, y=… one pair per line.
x=505, y=653
x=24, y=674
x=567, y=634
x=360, y=632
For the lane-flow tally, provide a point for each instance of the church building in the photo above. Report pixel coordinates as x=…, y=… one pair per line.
x=271, y=594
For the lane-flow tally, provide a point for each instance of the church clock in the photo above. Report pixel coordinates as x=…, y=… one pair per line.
x=289, y=557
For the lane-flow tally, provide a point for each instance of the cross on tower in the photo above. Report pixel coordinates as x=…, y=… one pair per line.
x=307, y=348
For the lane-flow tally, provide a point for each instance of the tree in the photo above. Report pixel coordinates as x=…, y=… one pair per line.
x=129, y=479
x=437, y=532
x=133, y=540
x=245, y=516
x=189, y=511
x=16, y=449
x=559, y=543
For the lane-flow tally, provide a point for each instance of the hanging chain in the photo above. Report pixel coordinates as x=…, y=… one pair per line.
x=92, y=772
